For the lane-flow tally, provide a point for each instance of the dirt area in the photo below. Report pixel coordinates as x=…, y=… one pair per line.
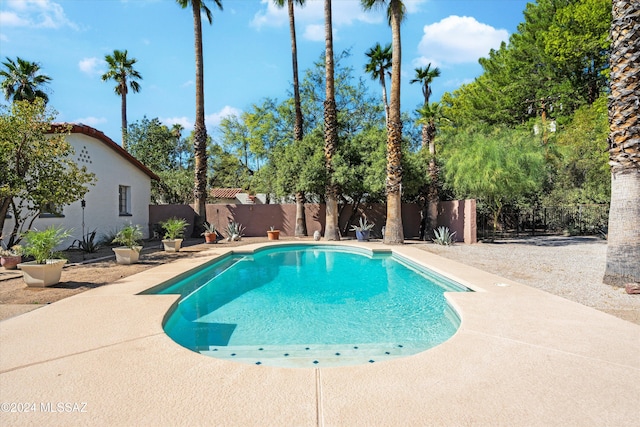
x=87, y=271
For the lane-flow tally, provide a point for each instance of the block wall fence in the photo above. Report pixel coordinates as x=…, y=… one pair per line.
x=458, y=215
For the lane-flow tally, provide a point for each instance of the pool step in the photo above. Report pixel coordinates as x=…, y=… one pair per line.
x=309, y=356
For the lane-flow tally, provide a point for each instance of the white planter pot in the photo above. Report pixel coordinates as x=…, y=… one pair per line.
x=172, y=245
x=41, y=275
x=125, y=255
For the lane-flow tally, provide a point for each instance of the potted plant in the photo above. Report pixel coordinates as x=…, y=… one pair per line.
x=129, y=237
x=363, y=229
x=273, y=234
x=10, y=258
x=235, y=231
x=47, y=267
x=173, y=233
x=210, y=233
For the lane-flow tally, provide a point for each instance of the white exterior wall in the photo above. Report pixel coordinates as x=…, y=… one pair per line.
x=102, y=210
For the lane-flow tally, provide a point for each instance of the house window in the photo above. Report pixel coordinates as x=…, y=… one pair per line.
x=124, y=200
x=51, y=210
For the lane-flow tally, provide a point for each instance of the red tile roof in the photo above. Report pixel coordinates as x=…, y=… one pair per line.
x=225, y=193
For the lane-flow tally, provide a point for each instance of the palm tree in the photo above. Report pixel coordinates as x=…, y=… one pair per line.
x=332, y=230
x=393, y=229
x=22, y=80
x=378, y=66
x=298, y=127
x=121, y=70
x=427, y=117
x=623, y=245
x=199, y=128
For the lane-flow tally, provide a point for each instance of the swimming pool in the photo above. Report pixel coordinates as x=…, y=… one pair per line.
x=310, y=305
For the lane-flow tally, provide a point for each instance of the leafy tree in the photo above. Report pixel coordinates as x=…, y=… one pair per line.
x=393, y=231
x=579, y=165
x=200, y=129
x=121, y=70
x=623, y=247
x=167, y=154
x=227, y=171
x=298, y=128
x=378, y=67
x=22, y=80
x=36, y=168
x=496, y=167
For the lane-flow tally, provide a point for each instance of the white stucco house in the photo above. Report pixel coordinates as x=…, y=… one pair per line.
x=121, y=194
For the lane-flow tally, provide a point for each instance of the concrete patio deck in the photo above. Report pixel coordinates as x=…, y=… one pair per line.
x=522, y=357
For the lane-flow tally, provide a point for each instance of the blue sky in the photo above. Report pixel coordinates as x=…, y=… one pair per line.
x=246, y=51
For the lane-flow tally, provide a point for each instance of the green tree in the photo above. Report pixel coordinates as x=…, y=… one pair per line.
x=200, y=129
x=22, y=80
x=332, y=230
x=36, y=166
x=623, y=246
x=378, y=67
x=168, y=155
x=497, y=167
x=298, y=128
x=122, y=72
x=394, y=233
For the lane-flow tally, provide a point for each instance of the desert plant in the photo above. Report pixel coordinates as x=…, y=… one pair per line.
x=208, y=229
x=443, y=236
x=174, y=228
x=89, y=244
x=235, y=231
x=15, y=250
x=41, y=244
x=129, y=236
x=363, y=226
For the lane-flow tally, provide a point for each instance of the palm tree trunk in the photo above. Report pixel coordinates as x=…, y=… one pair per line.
x=623, y=245
x=331, y=231
x=394, y=233
x=200, y=129
x=123, y=114
x=298, y=130
x=384, y=97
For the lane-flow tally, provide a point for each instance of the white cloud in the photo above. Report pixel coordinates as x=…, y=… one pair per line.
x=314, y=32
x=3, y=38
x=457, y=40
x=183, y=121
x=35, y=14
x=188, y=83
x=213, y=120
x=342, y=13
x=91, y=121
x=91, y=66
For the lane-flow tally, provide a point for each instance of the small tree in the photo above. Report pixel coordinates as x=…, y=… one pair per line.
x=497, y=167
x=36, y=169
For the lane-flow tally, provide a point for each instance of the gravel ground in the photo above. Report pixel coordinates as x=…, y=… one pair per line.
x=570, y=267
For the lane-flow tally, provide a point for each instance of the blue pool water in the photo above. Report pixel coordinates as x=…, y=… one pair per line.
x=311, y=305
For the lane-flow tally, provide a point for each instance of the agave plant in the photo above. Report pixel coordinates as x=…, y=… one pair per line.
x=235, y=231
x=443, y=236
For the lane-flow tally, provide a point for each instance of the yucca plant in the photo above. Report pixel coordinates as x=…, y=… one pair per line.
x=443, y=236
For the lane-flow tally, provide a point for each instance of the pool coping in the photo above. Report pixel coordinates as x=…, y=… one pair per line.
x=520, y=357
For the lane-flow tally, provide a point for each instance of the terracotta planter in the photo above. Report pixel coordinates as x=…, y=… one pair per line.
x=10, y=262
x=210, y=238
x=172, y=245
x=273, y=234
x=41, y=275
x=125, y=255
